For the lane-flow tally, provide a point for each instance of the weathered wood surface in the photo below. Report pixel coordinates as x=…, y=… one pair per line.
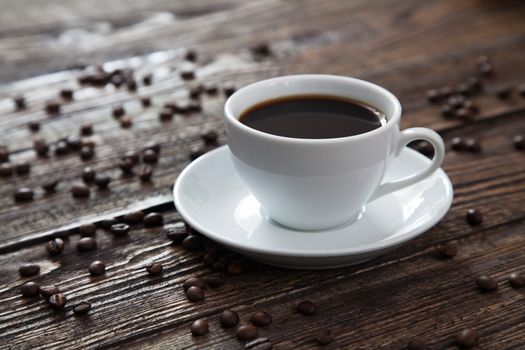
x=407, y=46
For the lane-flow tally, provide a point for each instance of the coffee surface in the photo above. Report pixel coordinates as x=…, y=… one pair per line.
x=312, y=117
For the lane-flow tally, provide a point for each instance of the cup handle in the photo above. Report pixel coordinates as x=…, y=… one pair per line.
x=407, y=136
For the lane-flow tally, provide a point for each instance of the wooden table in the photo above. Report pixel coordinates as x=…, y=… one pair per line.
x=406, y=46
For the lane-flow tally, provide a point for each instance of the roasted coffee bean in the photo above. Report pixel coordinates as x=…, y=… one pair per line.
x=193, y=281
x=82, y=308
x=261, y=319
x=471, y=106
x=4, y=154
x=87, y=153
x=214, y=281
x=132, y=85
x=153, y=219
x=27, y=270
x=145, y=173
x=325, y=337
x=97, y=268
x=246, y=332
x=154, y=269
x=445, y=91
x=57, y=301
x=47, y=291
x=261, y=49
x=126, y=122
x=119, y=229
x=458, y=144
x=464, y=113
x=434, y=96
x=519, y=142
x=73, y=142
x=195, y=91
x=117, y=80
x=147, y=79
x=135, y=217
x=465, y=89
x=126, y=165
x=182, y=107
x=190, y=55
x=474, y=217
x=467, y=339
x=448, y=251
x=517, y=280
x=485, y=69
x=195, y=293
x=154, y=146
x=20, y=102
x=34, y=126
x=107, y=223
x=150, y=156
x=456, y=101
x=172, y=106
x=210, y=258
x=218, y=266
x=86, y=129
x=66, y=94
x=177, y=232
x=234, y=267
x=30, y=289
x=86, y=244
x=50, y=186
x=55, y=246
x=199, y=328
x=416, y=345
x=22, y=168
x=259, y=344
x=196, y=154
x=88, y=174
x=187, y=73
x=166, y=114
x=41, y=147
x=52, y=107
x=118, y=111
x=210, y=137
x=23, y=194
x=486, y=283
x=228, y=319
x=503, y=92
x=132, y=156
x=61, y=148
x=145, y=101
x=474, y=83
x=193, y=242
x=473, y=146
x=228, y=89
x=80, y=191
x=102, y=181
x=306, y=308
x=6, y=169
x=87, y=230
x=195, y=106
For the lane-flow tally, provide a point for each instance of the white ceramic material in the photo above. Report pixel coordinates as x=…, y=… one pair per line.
x=212, y=198
x=313, y=184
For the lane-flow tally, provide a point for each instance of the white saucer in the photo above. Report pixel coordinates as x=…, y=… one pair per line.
x=211, y=197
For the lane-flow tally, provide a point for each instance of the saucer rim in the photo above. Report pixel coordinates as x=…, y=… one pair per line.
x=362, y=249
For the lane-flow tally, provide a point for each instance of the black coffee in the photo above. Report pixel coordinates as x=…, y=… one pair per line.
x=312, y=117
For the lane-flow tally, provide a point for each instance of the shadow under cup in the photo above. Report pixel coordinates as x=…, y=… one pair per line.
x=312, y=184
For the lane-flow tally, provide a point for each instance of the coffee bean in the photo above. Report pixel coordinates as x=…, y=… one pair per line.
x=218, y=266
x=48, y=291
x=166, y=114
x=23, y=194
x=119, y=229
x=145, y=101
x=52, y=107
x=464, y=113
x=234, y=267
x=195, y=293
x=228, y=89
x=88, y=174
x=118, y=111
x=416, y=345
x=519, y=142
x=57, y=301
x=259, y=344
x=147, y=79
x=465, y=89
x=448, y=251
x=467, y=338
x=150, y=156
x=474, y=217
x=485, y=69
x=33, y=126
x=6, y=169
x=325, y=337
x=190, y=55
x=27, y=270
x=196, y=154
x=517, y=280
x=107, y=223
x=66, y=94
x=434, y=96
x=306, y=308
x=154, y=146
x=193, y=242
x=41, y=147
x=210, y=258
x=261, y=319
x=87, y=230
x=187, y=73
x=132, y=156
x=126, y=122
x=55, y=246
x=199, y=328
x=145, y=173
x=214, y=281
x=135, y=217
x=195, y=106
x=61, y=148
x=177, y=232
x=82, y=308
x=117, y=81
x=86, y=244
x=261, y=49
x=22, y=168
x=50, y=186
x=86, y=129
x=210, y=137
x=456, y=101
x=4, y=154
x=153, y=219
x=503, y=92
x=20, y=102
x=473, y=146
x=474, y=83
x=193, y=281
x=87, y=153
x=210, y=89
x=132, y=85
x=471, y=106
x=154, y=269
x=73, y=142
x=126, y=165
x=30, y=289
x=228, y=319
x=458, y=144
x=246, y=332
x=486, y=283
x=195, y=91
x=97, y=268
x=102, y=181
x=80, y=191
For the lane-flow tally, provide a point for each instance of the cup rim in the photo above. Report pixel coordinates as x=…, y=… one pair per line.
x=391, y=119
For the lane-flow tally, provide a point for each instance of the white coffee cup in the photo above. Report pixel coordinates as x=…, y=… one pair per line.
x=315, y=184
